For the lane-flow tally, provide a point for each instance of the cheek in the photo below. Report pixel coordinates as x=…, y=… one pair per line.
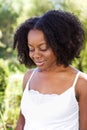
x=53, y=58
x=51, y=55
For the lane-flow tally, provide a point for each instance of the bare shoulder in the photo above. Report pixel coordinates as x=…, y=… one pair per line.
x=82, y=84
x=26, y=77
x=83, y=79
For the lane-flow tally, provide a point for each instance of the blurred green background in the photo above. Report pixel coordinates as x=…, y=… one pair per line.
x=12, y=13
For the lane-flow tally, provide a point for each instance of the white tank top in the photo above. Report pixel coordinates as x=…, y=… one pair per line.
x=50, y=111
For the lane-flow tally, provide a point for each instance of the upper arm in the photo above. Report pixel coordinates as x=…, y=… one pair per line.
x=21, y=120
x=82, y=90
x=20, y=123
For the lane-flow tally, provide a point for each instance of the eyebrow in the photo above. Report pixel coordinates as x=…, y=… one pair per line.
x=42, y=43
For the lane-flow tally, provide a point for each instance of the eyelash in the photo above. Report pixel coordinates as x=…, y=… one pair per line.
x=43, y=49
x=31, y=50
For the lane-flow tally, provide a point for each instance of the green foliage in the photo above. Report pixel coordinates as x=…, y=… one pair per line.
x=2, y=122
x=15, y=66
x=8, y=18
x=13, y=94
x=34, y=8
x=3, y=81
x=3, y=78
x=10, y=92
x=12, y=99
x=38, y=7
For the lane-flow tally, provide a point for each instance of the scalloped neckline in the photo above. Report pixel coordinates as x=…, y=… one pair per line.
x=49, y=94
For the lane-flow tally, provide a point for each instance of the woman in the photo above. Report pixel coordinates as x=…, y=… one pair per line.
x=55, y=93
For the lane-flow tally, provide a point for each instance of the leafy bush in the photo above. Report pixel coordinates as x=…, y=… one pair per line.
x=3, y=81
x=11, y=74
x=3, y=76
x=12, y=99
x=15, y=66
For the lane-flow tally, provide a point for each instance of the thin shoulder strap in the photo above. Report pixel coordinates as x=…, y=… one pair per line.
x=27, y=85
x=76, y=78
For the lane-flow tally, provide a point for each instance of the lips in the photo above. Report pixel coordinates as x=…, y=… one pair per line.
x=39, y=63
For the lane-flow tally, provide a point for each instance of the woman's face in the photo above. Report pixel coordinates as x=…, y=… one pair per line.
x=39, y=52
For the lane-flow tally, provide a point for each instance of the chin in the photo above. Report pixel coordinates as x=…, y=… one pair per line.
x=41, y=68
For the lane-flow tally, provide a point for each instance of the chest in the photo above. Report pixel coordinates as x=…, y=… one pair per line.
x=51, y=84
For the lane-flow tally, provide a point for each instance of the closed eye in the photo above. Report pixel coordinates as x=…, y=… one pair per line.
x=43, y=49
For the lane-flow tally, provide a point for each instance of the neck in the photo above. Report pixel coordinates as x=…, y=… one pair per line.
x=57, y=68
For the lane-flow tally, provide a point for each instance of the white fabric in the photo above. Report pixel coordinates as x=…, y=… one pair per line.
x=50, y=111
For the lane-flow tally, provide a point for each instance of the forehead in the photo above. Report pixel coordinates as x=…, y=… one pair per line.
x=35, y=35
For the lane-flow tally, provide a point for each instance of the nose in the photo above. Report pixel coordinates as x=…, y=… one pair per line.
x=36, y=54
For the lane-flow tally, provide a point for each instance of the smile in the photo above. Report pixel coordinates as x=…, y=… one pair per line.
x=39, y=63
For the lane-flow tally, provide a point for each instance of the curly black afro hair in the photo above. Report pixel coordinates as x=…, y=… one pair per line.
x=63, y=33
x=21, y=41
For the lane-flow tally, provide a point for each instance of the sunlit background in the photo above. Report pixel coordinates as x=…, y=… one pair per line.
x=12, y=13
